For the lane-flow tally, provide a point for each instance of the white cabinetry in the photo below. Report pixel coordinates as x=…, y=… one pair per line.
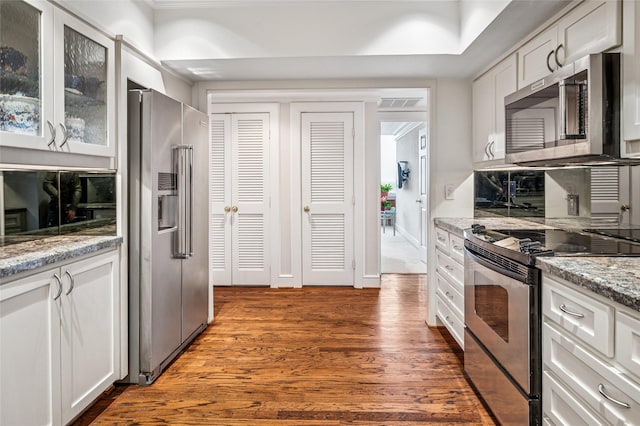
x=591, y=375
x=58, y=95
x=450, y=283
x=631, y=80
x=489, y=92
x=591, y=27
x=59, y=333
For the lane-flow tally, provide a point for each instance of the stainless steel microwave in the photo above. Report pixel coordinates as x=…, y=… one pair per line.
x=571, y=116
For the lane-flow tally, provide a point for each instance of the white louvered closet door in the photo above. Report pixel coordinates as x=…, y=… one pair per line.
x=327, y=199
x=239, y=199
x=609, y=191
x=250, y=200
x=220, y=196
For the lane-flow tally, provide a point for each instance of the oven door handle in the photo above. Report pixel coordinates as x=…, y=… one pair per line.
x=496, y=267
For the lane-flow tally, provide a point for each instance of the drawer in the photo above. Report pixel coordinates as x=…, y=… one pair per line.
x=449, y=267
x=456, y=248
x=628, y=342
x=454, y=324
x=580, y=315
x=442, y=240
x=590, y=378
x=560, y=408
x=450, y=294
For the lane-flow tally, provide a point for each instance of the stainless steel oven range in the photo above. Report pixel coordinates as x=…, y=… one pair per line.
x=502, y=339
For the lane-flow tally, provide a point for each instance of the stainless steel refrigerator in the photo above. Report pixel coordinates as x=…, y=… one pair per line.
x=168, y=230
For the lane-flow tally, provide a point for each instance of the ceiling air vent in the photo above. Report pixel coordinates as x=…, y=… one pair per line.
x=399, y=102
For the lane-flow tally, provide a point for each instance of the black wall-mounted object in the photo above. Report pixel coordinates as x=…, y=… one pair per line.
x=403, y=172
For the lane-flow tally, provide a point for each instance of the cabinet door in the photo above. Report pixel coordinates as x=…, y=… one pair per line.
x=536, y=57
x=89, y=331
x=504, y=76
x=84, y=88
x=30, y=350
x=631, y=80
x=592, y=27
x=26, y=77
x=483, y=116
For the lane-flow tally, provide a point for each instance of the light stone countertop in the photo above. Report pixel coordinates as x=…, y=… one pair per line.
x=616, y=278
x=27, y=256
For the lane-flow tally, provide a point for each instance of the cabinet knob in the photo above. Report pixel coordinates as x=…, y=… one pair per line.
x=227, y=209
x=306, y=209
x=234, y=208
x=625, y=207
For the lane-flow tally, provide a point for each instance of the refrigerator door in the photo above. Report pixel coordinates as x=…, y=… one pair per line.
x=160, y=272
x=195, y=269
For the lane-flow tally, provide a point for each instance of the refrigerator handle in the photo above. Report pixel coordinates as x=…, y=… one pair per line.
x=184, y=200
x=190, y=195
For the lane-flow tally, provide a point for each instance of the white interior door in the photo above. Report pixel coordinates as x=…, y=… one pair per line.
x=423, y=175
x=239, y=199
x=220, y=199
x=250, y=199
x=327, y=198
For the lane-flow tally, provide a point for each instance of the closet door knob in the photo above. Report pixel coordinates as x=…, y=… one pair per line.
x=234, y=208
x=227, y=209
x=306, y=209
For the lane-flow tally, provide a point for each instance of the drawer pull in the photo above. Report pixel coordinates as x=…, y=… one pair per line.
x=449, y=295
x=448, y=268
x=457, y=247
x=441, y=239
x=615, y=401
x=564, y=309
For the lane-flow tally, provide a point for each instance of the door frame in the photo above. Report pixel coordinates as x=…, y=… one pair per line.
x=359, y=217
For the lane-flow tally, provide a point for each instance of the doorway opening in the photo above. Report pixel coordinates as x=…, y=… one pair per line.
x=403, y=169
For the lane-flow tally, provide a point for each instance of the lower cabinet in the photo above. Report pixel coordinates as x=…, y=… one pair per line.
x=591, y=373
x=59, y=338
x=450, y=283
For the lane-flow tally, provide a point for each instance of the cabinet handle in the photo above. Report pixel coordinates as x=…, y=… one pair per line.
x=448, y=268
x=549, y=57
x=441, y=239
x=52, y=131
x=457, y=247
x=306, y=209
x=615, y=401
x=486, y=150
x=234, y=208
x=227, y=209
x=59, y=281
x=491, y=145
x=564, y=309
x=555, y=55
x=65, y=135
x=71, y=280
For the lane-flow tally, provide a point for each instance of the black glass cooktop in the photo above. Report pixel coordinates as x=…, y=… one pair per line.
x=625, y=234
x=566, y=243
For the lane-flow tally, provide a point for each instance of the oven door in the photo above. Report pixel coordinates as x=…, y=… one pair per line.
x=498, y=307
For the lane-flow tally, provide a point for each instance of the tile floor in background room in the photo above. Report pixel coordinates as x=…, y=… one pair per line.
x=398, y=255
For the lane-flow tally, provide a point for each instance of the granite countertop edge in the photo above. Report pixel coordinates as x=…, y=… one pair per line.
x=47, y=253
x=615, y=278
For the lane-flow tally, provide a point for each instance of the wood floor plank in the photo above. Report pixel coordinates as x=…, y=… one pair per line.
x=311, y=356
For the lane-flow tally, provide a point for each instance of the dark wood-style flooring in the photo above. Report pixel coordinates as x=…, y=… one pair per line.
x=311, y=356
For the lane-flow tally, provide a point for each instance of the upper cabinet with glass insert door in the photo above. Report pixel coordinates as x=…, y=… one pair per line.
x=57, y=86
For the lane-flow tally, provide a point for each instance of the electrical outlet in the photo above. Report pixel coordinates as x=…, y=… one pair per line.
x=448, y=191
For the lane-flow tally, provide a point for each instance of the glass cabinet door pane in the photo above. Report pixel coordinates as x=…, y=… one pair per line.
x=20, y=94
x=85, y=81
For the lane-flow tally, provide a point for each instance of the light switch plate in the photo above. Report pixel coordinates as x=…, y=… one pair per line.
x=448, y=191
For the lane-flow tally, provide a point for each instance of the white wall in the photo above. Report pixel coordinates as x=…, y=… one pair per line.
x=299, y=28
x=388, y=170
x=450, y=163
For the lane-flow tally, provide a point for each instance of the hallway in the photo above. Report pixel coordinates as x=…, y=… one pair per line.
x=322, y=356
x=398, y=255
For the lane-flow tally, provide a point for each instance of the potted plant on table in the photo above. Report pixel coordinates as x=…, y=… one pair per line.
x=384, y=190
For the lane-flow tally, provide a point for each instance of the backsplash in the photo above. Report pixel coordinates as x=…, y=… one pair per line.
x=514, y=193
x=42, y=203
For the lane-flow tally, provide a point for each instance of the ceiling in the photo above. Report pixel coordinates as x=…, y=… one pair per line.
x=216, y=40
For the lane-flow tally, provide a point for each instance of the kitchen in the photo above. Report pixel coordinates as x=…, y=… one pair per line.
x=451, y=97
